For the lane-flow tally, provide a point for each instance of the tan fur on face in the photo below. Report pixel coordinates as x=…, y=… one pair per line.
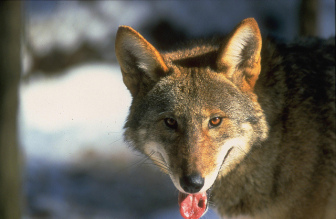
x=194, y=148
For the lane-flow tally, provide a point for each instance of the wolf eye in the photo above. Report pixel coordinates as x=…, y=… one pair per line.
x=171, y=123
x=214, y=122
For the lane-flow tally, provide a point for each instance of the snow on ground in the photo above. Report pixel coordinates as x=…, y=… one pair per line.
x=85, y=107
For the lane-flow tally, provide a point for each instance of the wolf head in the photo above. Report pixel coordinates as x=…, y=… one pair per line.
x=194, y=112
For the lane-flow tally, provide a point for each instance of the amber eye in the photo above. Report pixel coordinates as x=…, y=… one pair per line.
x=214, y=122
x=171, y=123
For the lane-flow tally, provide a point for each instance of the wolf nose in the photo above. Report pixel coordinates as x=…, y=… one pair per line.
x=192, y=183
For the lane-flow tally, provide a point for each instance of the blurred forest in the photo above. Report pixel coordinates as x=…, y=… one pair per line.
x=61, y=34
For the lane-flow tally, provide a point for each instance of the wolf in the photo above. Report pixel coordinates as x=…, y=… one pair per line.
x=240, y=121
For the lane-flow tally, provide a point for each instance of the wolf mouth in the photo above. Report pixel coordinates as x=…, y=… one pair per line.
x=193, y=206
x=227, y=154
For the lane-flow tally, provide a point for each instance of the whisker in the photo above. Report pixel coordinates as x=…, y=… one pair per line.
x=112, y=142
x=136, y=163
x=164, y=169
x=161, y=164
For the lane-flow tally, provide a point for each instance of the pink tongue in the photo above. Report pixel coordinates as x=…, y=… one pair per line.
x=192, y=206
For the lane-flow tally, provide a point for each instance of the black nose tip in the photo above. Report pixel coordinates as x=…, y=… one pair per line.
x=192, y=183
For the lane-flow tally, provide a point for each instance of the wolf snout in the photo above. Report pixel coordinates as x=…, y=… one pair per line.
x=192, y=183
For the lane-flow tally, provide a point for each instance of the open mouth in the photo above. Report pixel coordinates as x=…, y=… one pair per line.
x=193, y=206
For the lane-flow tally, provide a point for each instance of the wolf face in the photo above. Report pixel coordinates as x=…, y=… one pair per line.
x=194, y=112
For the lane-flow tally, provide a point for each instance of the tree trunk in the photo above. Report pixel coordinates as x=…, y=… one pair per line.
x=308, y=17
x=10, y=68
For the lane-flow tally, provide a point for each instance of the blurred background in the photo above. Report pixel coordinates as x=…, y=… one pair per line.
x=73, y=104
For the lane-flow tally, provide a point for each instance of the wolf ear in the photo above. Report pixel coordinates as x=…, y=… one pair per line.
x=141, y=64
x=239, y=55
